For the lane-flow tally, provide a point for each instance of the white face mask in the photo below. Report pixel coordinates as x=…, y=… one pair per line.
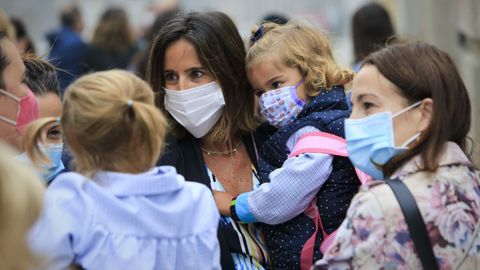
x=196, y=109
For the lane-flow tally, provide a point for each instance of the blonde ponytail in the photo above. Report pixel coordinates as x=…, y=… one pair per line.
x=111, y=123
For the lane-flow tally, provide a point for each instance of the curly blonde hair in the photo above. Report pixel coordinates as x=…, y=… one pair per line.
x=300, y=46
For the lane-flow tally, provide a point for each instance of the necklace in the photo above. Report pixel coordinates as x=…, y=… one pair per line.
x=223, y=153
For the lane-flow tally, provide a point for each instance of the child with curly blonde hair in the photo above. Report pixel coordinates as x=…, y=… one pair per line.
x=308, y=182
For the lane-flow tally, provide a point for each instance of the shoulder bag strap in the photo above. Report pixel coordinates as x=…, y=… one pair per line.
x=416, y=225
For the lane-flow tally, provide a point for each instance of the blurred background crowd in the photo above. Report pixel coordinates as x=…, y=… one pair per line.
x=125, y=27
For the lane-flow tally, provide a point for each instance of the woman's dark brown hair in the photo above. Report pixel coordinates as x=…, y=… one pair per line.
x=221, y=51
x=420, y=71
x=40, y=75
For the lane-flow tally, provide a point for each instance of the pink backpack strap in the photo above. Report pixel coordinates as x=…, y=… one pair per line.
x=325, y=143
x=306, y=255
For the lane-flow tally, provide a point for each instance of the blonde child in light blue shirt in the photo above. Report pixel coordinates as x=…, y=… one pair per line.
x=119, y=211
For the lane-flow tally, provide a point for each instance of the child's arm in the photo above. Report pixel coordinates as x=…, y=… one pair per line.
x=288, y=194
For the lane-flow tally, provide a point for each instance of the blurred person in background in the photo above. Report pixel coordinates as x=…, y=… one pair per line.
x=140, y=61
x=6, y=26
x=277, y=18
x=21, y=202
x=371, y=29
x=67, y=52
x=24, y=42
x=112, y=45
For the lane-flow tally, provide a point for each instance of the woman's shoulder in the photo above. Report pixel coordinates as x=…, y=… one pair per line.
x=368, y=201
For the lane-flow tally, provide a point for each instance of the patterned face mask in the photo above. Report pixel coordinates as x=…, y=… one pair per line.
x=281, y=106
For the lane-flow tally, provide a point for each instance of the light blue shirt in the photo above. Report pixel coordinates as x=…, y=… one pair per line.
x=291, y=188
x=153, y=220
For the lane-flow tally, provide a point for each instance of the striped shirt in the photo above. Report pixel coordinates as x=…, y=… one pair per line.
x=246, y=242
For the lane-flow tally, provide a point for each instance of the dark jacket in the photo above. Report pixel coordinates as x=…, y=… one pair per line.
x=99, y=59
x=67, y=54
x=187, y=157
x=326, y=112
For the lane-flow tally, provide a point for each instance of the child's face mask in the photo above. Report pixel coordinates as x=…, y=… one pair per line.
x=281, y=106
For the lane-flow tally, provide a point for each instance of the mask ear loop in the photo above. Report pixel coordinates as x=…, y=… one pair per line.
x=299, y=83
x=17, y=99
x=8, y=120
x=293, y=93
x=12, y=122
x=416, y=135
x=416, y=104
x=413, y=138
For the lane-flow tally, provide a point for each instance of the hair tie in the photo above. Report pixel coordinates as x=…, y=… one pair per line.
x=129, y=103
x=257, y=35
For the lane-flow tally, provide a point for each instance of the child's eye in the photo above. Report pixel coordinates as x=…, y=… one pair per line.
x=276, y=84
x=171, y=77
x=258, y=93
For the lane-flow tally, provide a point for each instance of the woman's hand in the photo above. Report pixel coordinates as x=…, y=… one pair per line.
x=223, y=200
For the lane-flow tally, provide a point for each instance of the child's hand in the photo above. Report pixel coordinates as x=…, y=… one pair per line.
x=223, y=200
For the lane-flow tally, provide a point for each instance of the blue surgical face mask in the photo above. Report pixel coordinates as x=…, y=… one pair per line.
x=51, y=169
x=371, y=142
x=281, y=106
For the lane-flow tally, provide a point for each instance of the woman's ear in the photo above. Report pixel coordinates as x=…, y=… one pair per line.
x=426, y=111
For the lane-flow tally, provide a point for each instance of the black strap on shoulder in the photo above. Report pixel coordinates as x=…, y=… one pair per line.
x=416, y=225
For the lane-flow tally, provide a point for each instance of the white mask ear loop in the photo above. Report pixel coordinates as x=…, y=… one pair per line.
x=14, y=98
x=414, y=137
x=407, y=108
x=17, y=99
x=8, y=120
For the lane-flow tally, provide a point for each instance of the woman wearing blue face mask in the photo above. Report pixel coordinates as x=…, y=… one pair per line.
x=41, y=78
x=43, y=148
x=411, y=115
